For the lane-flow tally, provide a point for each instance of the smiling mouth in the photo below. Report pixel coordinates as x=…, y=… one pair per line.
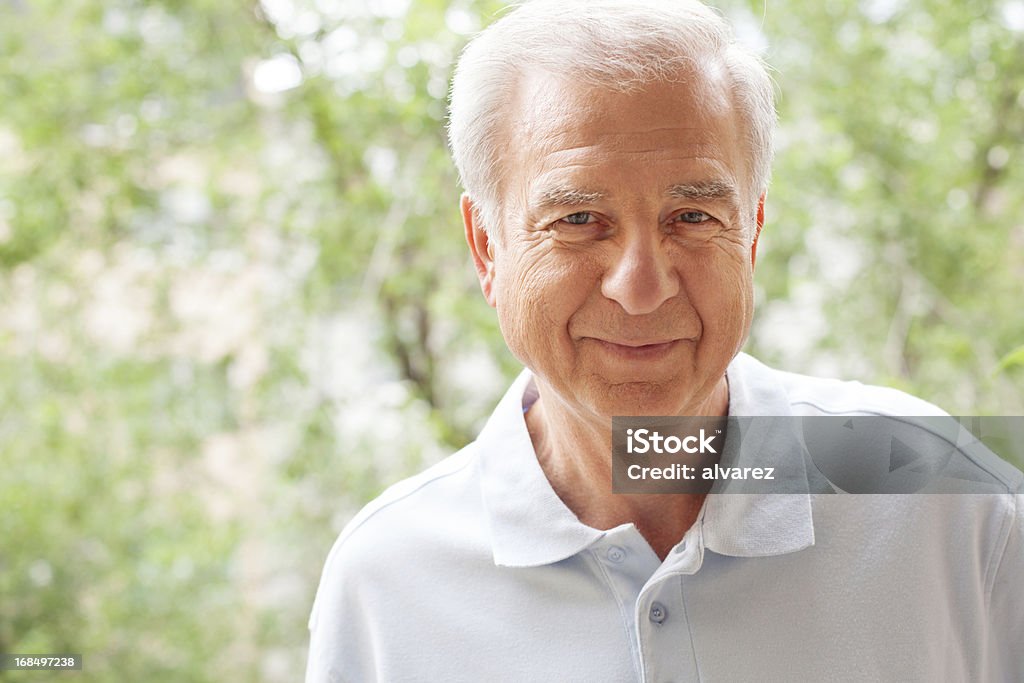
x=631, y=350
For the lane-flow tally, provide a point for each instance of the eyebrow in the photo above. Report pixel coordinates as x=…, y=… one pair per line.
x=704, y=190
x=567, y=196
x=708, y=189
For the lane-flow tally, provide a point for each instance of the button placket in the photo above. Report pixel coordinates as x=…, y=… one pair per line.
x=626, y=563
x=616, y=554
x=658, y=613
x=663, y=632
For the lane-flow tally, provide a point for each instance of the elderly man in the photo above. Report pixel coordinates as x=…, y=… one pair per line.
x=615, y=157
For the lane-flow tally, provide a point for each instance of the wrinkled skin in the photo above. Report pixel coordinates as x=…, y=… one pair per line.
x=623, y=295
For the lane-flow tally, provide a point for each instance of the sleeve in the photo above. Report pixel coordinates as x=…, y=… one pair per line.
x=1007, y=600
x=340, y=650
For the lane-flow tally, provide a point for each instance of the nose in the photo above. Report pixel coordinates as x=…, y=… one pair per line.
x=642, y=276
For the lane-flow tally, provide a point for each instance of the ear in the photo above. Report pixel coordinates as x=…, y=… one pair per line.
x=757, y=233
x=480, y=247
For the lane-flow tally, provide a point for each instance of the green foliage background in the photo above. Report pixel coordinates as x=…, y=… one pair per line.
x=235, y=303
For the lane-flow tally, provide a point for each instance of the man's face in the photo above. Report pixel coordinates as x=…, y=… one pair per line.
x=622, y=271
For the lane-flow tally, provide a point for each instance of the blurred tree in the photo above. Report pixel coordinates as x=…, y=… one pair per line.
x=895, y=234
x=235, y=303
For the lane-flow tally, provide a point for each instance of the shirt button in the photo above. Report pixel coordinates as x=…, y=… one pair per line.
x=616, y=554
x=658, y=613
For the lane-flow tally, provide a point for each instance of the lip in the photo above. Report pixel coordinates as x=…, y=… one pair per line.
x=638, y=350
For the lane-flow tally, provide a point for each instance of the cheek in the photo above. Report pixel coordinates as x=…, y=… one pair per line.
x=721, y=289
x=523, y=296
x=539, y=278
x=536, y=296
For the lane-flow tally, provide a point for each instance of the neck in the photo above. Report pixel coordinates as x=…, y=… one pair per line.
x=575, y=456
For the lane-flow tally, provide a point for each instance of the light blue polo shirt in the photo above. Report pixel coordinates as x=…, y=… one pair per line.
x=476, y=571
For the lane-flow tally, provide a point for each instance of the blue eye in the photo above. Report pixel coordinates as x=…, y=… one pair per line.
x=693, y=217
x=579, y=218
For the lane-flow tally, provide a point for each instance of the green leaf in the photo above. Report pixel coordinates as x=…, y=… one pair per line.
x=1012, y=359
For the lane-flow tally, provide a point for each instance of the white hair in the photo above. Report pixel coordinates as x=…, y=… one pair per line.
x=615, y=44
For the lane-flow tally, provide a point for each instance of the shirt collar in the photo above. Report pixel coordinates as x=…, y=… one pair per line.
x=755, y=525
x=531, y=526
x=529, y=523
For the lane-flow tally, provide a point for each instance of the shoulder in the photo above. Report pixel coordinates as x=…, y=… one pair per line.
x=757, y=389
x=425, y=531
x=901, y=441
x=819, y=395
x=414, y=508
x=429, y=487
x=416, y=518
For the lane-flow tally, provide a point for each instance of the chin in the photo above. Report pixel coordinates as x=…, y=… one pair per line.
x=638, y=399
